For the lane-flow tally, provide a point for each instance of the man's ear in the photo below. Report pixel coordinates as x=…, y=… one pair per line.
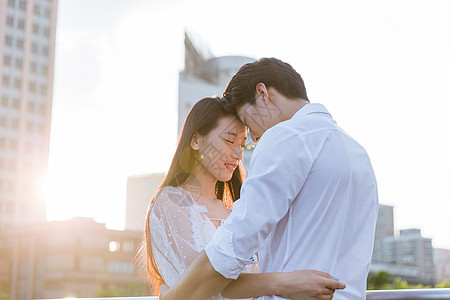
x=195, y=141
x=261, y=93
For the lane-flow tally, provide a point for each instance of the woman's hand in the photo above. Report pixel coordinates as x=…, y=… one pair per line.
x=308, y=284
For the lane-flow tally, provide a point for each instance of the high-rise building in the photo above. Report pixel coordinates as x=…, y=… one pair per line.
x=27, y=48
x=408, y=255
x=140, y=190
x=442, y=264
x=204, y=76
x=384, y=228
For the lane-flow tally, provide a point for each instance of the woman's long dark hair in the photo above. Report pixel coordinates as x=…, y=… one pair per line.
x=203, y=117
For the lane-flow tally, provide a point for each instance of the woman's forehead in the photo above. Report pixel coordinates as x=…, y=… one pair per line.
x=231, y=125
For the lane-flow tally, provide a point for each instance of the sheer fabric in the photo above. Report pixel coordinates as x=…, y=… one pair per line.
x=179, y=230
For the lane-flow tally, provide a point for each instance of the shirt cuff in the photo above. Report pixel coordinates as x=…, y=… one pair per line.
x=220, y=252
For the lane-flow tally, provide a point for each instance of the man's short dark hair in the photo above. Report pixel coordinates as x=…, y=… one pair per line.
x=270, y=71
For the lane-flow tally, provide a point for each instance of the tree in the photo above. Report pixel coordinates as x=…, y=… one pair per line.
x=444, y=284
x=379, y=280
x=4, y=295
x=132, y=289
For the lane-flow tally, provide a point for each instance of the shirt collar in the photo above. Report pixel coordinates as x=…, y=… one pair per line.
x=311, y=108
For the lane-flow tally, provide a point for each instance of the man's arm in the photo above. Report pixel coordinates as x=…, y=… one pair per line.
x=304, y=284
x=200, y=281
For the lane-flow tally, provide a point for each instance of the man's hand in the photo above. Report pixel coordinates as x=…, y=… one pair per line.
x=307, y=285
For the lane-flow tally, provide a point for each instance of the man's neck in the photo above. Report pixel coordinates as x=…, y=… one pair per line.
x=291, y=107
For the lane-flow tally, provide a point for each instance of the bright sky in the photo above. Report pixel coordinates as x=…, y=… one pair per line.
x=382, y=68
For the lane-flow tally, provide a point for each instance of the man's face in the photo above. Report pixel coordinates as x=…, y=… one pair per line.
x=259, y=117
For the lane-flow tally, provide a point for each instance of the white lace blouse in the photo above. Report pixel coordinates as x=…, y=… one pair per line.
x=179, y=230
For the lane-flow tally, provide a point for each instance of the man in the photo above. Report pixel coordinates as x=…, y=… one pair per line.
x=310, y=200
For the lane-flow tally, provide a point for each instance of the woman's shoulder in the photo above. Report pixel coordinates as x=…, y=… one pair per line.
x=172, y=195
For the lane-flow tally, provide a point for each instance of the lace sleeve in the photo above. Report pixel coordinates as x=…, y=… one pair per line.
x=174, y=228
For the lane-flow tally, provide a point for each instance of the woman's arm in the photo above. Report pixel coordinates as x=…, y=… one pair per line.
x=201, y=281
x=304, y=284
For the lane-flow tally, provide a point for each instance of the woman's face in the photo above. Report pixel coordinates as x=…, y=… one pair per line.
x=222, y=148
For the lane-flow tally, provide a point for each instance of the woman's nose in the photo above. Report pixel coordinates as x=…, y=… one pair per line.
x=238, y=152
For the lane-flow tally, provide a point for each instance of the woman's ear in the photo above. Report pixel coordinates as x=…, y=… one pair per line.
x=195, y=141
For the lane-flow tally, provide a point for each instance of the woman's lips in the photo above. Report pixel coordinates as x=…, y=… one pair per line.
x=230, y=166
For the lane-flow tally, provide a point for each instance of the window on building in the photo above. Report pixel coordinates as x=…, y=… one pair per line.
x=19, y=43
x=13, y=144
x=121, y=267
x=128, y=246
x=7, y=60
x=15, y=123
x=23, y=4
x=43, y=89
x=41, y=129
x=114, y=246
x=3, y=121
x=2, y=142
x=10, y=21
x=37, y=9
x=5, y=100
x=19, y=63
x=32, y=86
x=35, y=28
x=11, y=3
x=31, y=107
x=29, y=146
x=44, y=70
x=33, y=67
x=42, y=109
x=12, y=165
x=18, y=83
x=16, y=103
x=5, y=80
x=47, y=12
x=34, y=48
x=29, y=129
x=45, y=50
x=8, y=40
x=9, y=208
x=21, y=24
x=46, y=31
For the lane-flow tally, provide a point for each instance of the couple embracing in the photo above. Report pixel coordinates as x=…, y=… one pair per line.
x=300, y=226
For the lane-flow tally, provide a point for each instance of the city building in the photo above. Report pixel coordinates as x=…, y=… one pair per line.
x=27, y=49
x=442, y=264
x=140, y=190
x=75, y=258
x=408, y=255
x=205, y=75
x=384, y=228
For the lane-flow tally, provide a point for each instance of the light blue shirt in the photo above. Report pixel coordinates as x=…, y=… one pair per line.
x=310, y=202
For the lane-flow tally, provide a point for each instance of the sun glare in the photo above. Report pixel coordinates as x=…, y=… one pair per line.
x=53, y=189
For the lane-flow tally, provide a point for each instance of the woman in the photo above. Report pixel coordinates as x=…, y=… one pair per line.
x=197, y=194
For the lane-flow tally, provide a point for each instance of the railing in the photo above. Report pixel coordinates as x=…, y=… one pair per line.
x=415, y=294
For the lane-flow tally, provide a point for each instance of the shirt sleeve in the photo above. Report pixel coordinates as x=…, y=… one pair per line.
x=171, y=223
x=279, y=167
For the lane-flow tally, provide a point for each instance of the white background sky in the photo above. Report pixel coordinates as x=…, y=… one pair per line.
x=382, y=68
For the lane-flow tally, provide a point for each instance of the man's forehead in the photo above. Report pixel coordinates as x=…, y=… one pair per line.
x=242, y=111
